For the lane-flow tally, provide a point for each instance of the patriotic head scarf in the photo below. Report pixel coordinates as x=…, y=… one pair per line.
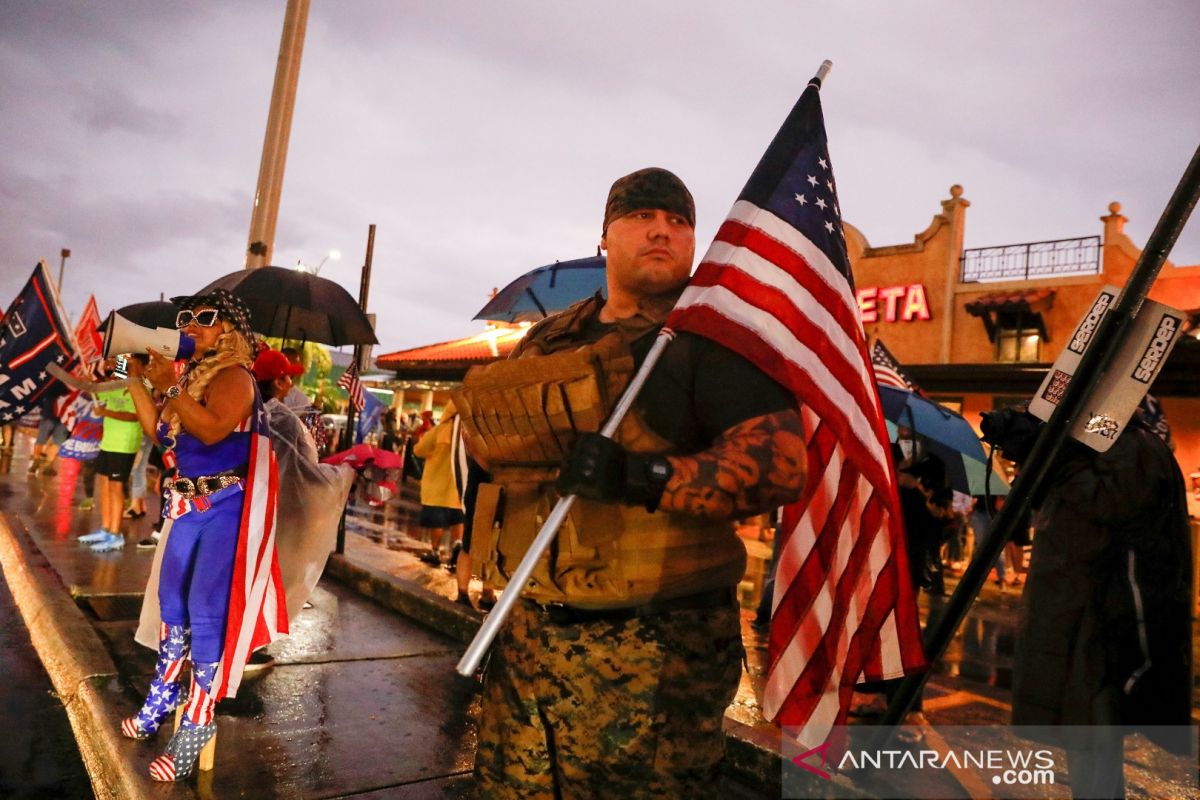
x=230, y=306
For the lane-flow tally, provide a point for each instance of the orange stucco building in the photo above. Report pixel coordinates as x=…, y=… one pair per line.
x=978, y=328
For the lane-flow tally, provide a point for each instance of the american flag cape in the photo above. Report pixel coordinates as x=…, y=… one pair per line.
x=888, y=371
x=33, y=335
x=257, y=609
x=775, y=287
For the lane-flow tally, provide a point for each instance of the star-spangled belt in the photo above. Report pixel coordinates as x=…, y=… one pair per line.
x=203, y=486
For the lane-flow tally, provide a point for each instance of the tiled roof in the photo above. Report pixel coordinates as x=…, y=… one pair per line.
x=1026, y=300
x=492, y=344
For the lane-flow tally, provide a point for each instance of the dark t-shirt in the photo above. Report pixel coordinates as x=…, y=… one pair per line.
x=699, y=389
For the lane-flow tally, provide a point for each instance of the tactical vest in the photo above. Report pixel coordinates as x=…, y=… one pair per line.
x=520, y=418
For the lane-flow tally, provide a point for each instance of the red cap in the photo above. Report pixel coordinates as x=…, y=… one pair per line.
x=272, y=364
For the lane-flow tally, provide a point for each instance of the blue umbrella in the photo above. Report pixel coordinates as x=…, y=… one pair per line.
x=947, y=435
x=545, y=290
x=930, y=420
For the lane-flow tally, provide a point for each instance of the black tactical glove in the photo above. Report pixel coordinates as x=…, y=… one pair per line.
x=597, y=468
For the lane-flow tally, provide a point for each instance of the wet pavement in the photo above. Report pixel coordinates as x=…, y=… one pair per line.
x=363, y=701
x=39, y=757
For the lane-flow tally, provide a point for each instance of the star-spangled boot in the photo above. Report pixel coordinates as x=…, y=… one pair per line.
x=166, y=691
x=195, y=729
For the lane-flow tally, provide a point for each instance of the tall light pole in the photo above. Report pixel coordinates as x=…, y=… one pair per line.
x=336, y=255
x=261, y=241
x=64, y=254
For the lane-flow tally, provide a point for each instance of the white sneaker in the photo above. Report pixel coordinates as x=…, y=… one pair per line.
x=114, y=541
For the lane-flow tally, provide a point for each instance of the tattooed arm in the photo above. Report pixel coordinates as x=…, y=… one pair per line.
x=753, y=467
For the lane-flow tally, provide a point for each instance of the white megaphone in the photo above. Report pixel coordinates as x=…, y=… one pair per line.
x=122, y=336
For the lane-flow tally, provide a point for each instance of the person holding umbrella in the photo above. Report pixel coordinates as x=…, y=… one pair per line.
x=212, y=425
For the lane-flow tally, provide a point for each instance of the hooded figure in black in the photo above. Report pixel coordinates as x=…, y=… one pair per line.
x=1105, y=635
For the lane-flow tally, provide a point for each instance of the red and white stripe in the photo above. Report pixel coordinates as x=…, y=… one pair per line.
x=163, y=769
x=257, y=611
x=843, y=606
x=886, y=376
x=353, y=386
x=200, y=705
x=175, y=667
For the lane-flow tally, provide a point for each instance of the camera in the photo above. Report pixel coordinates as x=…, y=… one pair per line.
x=1012, y=429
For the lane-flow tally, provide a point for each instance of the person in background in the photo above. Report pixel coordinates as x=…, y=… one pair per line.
x=391, y=437
x=311, y=495
x=118, y=446
x=981, y=527
x=1105, y=635
x=300, y=404
x=51, y=433
x=137, y=476
x=441, y=500
x=83, y=445
x=1015, y=548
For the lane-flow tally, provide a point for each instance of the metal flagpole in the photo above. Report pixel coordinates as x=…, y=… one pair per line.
x=1036, y=472
x=508, y=598
x=364, y=286
x=491, y=624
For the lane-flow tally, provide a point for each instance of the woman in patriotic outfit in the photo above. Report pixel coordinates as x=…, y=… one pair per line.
x=219, y=598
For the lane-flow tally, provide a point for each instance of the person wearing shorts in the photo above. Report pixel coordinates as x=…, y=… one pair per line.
x=441, y=499
x=51, y=434
x=118, y=447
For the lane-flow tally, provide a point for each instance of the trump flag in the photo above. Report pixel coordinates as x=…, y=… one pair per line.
x=33, y=335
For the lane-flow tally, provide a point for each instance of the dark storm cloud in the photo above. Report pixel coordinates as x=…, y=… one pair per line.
x=107, y=109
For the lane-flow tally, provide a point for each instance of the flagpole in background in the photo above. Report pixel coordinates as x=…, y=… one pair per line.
x=261, y=240
x=471, y=659
x=364, y=288
x=1036, y=472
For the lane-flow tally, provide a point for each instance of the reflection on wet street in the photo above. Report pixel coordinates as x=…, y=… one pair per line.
x=39, y=757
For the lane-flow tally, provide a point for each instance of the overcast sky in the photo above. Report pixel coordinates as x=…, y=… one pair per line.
x=481, y=137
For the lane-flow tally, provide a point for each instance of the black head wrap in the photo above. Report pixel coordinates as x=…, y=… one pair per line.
x=652, y=187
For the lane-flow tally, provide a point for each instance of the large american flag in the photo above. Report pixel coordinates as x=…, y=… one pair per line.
x=353, y=386
x=257, y=609
x=775, y=286
x=888, y=371
x=33, y=335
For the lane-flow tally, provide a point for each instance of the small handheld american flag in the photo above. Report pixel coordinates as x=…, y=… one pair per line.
x=353, y=386
x=888, y=371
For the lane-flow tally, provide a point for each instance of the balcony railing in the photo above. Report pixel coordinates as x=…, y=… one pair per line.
x=1020, y=262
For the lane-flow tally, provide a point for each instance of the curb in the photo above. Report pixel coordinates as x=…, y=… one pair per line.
x=406, y=597
x=79, y=666
x=749, y=753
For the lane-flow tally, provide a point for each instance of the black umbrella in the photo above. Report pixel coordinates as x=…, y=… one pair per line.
x=291, y=304
x=542, y=291
x=158, y=314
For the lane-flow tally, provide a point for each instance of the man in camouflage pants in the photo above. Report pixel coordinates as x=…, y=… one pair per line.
x=612, y=675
